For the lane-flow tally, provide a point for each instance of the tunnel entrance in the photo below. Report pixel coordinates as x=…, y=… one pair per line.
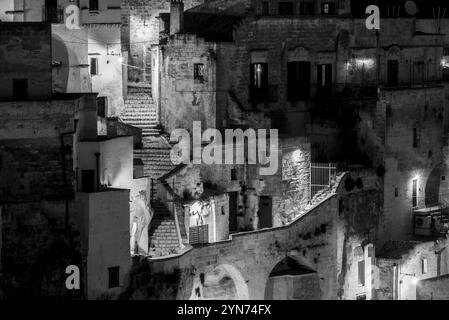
x=292, y=280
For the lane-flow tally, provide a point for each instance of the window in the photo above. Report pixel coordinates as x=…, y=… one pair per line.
x=361, y=297
x=233, y=174
x=307, y=8
x=114, y=277
x=198, y=72
x=298, y=87
x=101, y=107
x=324, y=78
x=415, y=193
x=259, y=82
x=361, y=267
x=424, y=266
x=396, y=192
x=93, y=66
x=265, y=9
x=328, y=8
x=443, y=178
x=93, y=5
x=392, y=72
x=285, y=8
x=415, y=137
x=20, y=89
x=199, y=234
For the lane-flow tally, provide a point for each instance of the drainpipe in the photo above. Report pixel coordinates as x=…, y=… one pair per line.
x=64, y=173
x=97, y=156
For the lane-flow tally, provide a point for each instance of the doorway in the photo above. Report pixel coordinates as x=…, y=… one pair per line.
x=233, y=196
x=266, y=215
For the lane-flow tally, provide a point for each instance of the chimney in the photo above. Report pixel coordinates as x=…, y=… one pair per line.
x=176, y=16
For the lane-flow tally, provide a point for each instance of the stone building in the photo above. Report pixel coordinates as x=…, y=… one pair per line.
x=357, y=208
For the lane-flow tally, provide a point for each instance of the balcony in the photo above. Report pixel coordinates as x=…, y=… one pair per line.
x=430, y=216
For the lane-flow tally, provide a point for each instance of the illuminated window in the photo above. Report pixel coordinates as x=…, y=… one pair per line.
x=324, y=78
x=93, y=66
x=285, y=8
x=114, y=277
x=328, y=8
x=259, y=82
x=93, y=5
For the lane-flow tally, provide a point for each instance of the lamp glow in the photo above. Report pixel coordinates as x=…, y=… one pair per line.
x=120, y=59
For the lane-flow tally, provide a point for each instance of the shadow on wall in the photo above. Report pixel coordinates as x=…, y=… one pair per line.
x=143, y=283
x=223, y=282
x=61, y=70
x=293, y=279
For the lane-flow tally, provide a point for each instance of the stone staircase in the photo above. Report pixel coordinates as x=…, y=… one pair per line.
x=320, y=196
x=155, y=155
x=140, y=111
x=162, y=234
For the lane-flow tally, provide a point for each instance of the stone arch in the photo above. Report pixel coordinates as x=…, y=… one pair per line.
x=222, y=282
x=293, y=278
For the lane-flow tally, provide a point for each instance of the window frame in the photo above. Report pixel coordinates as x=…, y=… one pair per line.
x=197, y=77
x=303, y=80
x=96, y=6
x=259, y=87
x=287, y=5
x=96, y=66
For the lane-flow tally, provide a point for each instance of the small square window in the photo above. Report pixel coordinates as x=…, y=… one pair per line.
x=233, y=174
x=443, y=178
x=114, y=277
x=198, y=72
x=328, y=8
x=93, y=66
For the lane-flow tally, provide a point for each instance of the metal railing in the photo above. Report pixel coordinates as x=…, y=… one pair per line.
x=323, y=176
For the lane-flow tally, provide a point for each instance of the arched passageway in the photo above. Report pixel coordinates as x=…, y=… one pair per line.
x=292, y=279
x=223, y=282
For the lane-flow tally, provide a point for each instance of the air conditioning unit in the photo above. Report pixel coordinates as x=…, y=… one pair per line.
x=423, y=225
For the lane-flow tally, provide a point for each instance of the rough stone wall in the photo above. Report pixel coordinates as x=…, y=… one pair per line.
x=36, y=251
x=409, y=260
x=31, y=160
x=433, y=289
x=37, y=246
x=184, y=99
x=406, y=111
x=296, y=160
x=140, y=30
x=25, y=49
